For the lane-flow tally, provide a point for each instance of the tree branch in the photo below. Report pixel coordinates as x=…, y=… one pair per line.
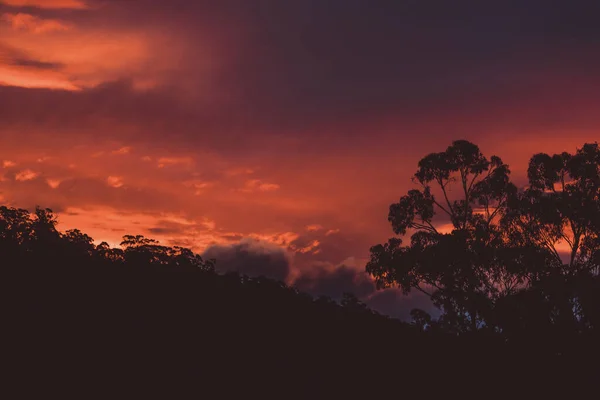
x=447, y=200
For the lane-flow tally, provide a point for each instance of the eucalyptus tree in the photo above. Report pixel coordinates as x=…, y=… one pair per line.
x=457, y=250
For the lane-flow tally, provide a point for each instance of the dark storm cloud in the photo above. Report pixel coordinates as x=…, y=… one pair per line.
x=334, y=247
x=252, y=258
x=334, y=283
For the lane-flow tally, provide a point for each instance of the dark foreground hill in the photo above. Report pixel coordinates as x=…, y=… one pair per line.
x=85, y=321
x=86, y=330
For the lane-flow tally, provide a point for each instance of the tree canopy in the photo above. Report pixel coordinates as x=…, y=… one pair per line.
x=495, y=257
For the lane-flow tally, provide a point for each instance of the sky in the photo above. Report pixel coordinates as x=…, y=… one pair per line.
x=274, y=135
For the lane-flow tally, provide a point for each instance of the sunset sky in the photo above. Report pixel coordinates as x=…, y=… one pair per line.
x=274, y=134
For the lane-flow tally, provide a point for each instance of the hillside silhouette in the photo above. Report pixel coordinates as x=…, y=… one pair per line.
x=84, y=318
x=145, y=319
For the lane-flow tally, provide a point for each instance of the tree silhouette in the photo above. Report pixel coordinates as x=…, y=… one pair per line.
x=459, y=268
x=560, y=208
x=497, y=265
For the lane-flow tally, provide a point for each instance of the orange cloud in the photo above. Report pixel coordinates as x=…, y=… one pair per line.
x=167, y=161
x=312, y=247
x=91, y=54
x=26, y=175
x=8, y=164
x=19, y=76
x=33, y=56
x=114, y=181
x=31, y=23
x=122, y=150
x=199, y=186
x=73, y=4
x=105, y=223
x=268, y=187
x=209, y=224
x=257, y=184
x=239, y=171
x=53, y=183
x=280, y=239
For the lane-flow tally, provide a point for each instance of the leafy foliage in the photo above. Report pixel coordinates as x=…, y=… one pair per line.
x=498, y=265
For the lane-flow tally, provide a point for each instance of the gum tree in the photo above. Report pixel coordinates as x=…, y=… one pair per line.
x=456, y=253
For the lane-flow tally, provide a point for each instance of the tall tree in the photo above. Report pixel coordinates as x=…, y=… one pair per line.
x=457, y=246
x=560, y=212
x=489, y=255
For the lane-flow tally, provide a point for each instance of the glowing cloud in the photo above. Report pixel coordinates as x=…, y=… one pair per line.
x=209, y=224
x=168, y=161
x=53, y=183
x=280, y=239
x=8, y=164
x=73, y=4
x=256, y=184
x=312, y=247
x=122, y=150
x=268, y=187
x=31, y=23
x=108, y=224
x=26, y=175
x=17, y=76
x=199, y=186
x=239, y=171
x=114, y=181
